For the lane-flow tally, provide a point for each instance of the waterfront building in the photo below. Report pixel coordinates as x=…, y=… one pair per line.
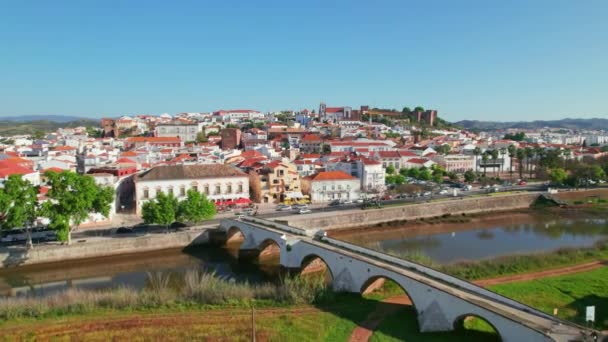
x=220, y=183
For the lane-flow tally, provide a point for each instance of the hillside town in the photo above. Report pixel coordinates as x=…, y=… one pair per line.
x=326, y=155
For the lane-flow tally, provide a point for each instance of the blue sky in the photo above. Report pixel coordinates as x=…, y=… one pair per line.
x=496, y=60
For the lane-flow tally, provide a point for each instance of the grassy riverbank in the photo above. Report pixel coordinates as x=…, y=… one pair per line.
x=517, y=264
x=164, y=290
x=569, y=294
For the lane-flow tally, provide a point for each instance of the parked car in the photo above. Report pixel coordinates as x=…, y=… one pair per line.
x=348, y=201
x=283, y=207
x=304, y=211
x=522, y=182
x=443, y=192
x=124, y=230
x=249, y=211
x=38, y=234
x=334, y=203
x=299, y=206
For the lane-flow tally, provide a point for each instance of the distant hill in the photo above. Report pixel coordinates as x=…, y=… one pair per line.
x=53, y=118
x=18, y=127
x=575, y=124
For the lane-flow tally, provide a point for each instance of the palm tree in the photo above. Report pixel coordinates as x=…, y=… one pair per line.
x=477, y=152
x=494, y=154
x=512, y=153
x=521, y=154
x=503, y=152
x=529, y=153
x=484, y=158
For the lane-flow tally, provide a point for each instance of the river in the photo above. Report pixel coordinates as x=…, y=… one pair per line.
x=505, y=234
x=480, y=238
x=130, y=270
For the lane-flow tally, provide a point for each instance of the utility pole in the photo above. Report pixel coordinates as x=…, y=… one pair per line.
x=252, y=324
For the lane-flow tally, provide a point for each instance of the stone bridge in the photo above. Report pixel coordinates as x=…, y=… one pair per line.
x=441, y=301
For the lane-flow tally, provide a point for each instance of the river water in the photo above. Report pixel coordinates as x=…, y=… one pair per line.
x=514, y=233
x=523, y=232
x=131, y=271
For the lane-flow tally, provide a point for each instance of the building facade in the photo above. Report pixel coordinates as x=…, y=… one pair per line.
x=334, y=185
x=218, y=182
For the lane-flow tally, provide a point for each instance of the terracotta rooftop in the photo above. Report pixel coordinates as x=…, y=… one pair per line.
x=332, y=175
x=190, y=172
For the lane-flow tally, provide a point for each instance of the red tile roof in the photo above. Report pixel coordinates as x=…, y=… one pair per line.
x=332, y=175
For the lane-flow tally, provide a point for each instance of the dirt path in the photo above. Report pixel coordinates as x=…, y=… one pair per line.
x=542, y=274
x=365, y=330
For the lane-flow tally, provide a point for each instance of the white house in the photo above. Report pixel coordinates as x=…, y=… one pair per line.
x=217, y=181
x=334, y=185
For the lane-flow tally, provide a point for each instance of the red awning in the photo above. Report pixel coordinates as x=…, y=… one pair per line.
x=243, y=200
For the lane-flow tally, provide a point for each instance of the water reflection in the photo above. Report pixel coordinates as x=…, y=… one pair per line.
x=131, y=271
x=465, y=242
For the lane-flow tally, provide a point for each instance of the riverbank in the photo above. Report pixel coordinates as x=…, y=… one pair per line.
x=452, y=206
x=95, y=247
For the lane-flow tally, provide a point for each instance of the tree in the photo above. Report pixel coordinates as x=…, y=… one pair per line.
x=521, y=154
x=469, y=176
x=390, y=169
x=71, y=198
x=512, y=153
x=484, y=158
x=414, y=172
x=558, y=176
x=419, y=109
x=438, y=177
x=326, y=149
x=255, y=187
x=520, y=136
x=406, y=110
x=425, y=175
x=38, y=134
x=19, y=205
x=443, y=149
x=201, y=137
x=161, y=210
x=494, y=154
x=529, y=155
x=195, y=208
x=476, y=153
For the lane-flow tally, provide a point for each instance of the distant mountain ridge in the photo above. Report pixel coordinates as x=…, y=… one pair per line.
x=51, y=118
x=568, y=123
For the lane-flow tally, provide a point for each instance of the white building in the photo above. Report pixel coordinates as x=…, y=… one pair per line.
x=217, y=181
x=186, y=132
x=334, y=185
x=458, y=163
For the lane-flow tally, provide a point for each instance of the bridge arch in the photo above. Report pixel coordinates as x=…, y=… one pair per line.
x=477, y=327
x=269, y=249
x=234, y=235
x=313, y=264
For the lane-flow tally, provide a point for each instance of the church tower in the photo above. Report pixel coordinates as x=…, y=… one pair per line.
x=322, y=112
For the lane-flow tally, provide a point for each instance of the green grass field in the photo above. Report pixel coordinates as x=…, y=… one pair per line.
x=569, y=294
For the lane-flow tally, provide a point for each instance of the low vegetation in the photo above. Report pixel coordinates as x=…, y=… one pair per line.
x=515, y=264
x=193, y=289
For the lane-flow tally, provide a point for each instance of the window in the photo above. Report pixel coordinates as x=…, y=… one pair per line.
x=240, y=188
x=146, y=193
x=324, y=187
x=339, y=186
x=170, y=191
x=206, y=189
x=218, y=190
x=182, y=191
x=229, y=190
x=195, y=188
